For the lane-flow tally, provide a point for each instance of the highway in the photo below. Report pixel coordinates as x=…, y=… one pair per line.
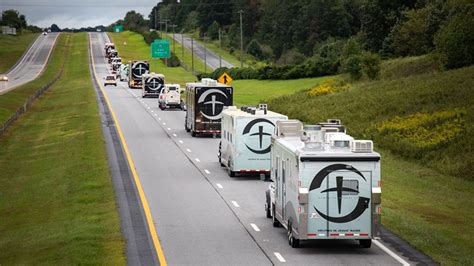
x=31, y=64
x=212, y=59
x=201, y=215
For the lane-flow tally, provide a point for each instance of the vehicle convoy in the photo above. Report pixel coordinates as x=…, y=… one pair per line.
x=123, y=72
x=152, y=84
x=116, y=66
x=108, y=47
x=205, y=101
x=136, y=70
x=326, y=185
x=112, y=54
x=245, y=139
x=170, y=97
x=110, y=80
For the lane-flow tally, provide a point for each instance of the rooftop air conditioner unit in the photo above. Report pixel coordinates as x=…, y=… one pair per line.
x=362, y=146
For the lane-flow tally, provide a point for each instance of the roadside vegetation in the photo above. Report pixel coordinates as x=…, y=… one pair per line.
x=57, y=203
x=422, y=121
x=12, y=48
x=12, y=100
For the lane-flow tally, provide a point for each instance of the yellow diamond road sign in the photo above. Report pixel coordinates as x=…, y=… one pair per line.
x=225, y=79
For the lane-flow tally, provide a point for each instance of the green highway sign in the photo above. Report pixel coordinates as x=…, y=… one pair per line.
x=118, y=28
x=160, y=49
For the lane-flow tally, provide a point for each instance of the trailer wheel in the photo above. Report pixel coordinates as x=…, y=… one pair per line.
x=365, y=243
x=231, y=173
x=276, y=223
x=229, y=167
x=194, y=134
x=292, y=241
x=186, y=124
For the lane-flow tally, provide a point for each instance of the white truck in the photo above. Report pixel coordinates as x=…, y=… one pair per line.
x=152, y=84
x=123, y=72
x=326, y=185
x=170, y=97
x=245, y=139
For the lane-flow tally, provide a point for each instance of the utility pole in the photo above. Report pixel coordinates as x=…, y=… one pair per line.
x=182, y=46
x=155, y=18
x=241, y=40
x=174, y=40
x=205, y=55
x=192, y=55
x=220, y=47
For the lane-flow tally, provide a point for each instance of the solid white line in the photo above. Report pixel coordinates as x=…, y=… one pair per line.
x=174, y=135
x=391, y=253
x=197, y=160
x=279, y=257
x=188, y=150
x=255, y=227
x=237, y=205
x=219, y=185
x=207, y=171
x=180, y=141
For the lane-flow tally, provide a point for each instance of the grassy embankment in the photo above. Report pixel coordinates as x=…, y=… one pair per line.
x=422, y=121
x=246, y=92
x=14, y=99
x=57, y=203
x=12, y=47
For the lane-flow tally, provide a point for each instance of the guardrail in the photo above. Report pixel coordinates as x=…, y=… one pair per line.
x=27, y=104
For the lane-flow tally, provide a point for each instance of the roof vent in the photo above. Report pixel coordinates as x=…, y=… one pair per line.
x=208, y=82
x=312, y=137
x=263, y=107
x=362, y=146
x=288, y=128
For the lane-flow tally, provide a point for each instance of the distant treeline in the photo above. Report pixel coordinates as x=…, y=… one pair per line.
x=14, y=19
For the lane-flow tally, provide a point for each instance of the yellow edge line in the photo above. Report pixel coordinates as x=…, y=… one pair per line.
x=149, y=218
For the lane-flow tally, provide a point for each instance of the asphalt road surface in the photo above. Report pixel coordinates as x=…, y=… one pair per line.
x=212, y=59
x=202, y=216
x=31, y=64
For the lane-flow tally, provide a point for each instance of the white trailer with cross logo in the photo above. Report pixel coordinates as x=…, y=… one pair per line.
x=245, y=140
x=326, y=185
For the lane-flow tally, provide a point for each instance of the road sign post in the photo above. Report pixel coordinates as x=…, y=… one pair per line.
x=118, y=28
x=225, y=79
x=160, y=49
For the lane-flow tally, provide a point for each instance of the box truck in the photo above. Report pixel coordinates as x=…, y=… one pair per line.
x=205, y=101
x=152, y=84
x=245, y=140
x=326, y=185
x=136, y=70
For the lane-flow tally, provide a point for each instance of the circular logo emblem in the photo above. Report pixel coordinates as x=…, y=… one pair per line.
x=154, y=83
x=210, y=98
x=138, y=69
x=340, y=189
x=256, y=129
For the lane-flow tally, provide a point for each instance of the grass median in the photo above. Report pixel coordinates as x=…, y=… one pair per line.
x=13, y=47
x=12, y=100
x=57, y=203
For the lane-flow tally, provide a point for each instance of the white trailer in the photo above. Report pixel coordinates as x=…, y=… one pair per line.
x=245, y=139
x=326, y=185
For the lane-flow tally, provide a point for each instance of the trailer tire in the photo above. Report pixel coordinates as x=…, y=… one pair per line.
x=292, y=241
x=365, y=243
x=276, y=223
x=194, y=134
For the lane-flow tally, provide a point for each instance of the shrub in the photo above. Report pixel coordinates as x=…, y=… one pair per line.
x=326, y=87
x=371, y=65
x=213, y=30
x=254, y=49
x=455, y=41
x=353, y=65
x=149, y=37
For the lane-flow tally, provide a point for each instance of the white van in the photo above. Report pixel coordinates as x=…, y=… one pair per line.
x=170, y=97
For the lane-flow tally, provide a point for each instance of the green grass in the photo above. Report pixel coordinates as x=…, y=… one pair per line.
x=247, y=92
x=131, y=46
x=57, y=203
x=11, y=101
x=252, y=92
x=427, y=192
x=12, y=47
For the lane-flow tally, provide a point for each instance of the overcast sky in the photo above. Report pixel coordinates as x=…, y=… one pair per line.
x=76, y=14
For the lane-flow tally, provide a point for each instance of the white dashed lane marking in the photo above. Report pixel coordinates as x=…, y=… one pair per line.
x=279, y=257
x=236, y=205
x=207, y=171
x=219, y=185
x=255, y=227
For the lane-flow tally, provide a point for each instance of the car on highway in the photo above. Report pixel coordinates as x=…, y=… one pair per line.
x=170, y=97
x=44, y=33
x=3, y=78
x=110, y=80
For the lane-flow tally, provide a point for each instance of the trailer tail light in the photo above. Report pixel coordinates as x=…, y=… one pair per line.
x=299, y=209
x=379, y=209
